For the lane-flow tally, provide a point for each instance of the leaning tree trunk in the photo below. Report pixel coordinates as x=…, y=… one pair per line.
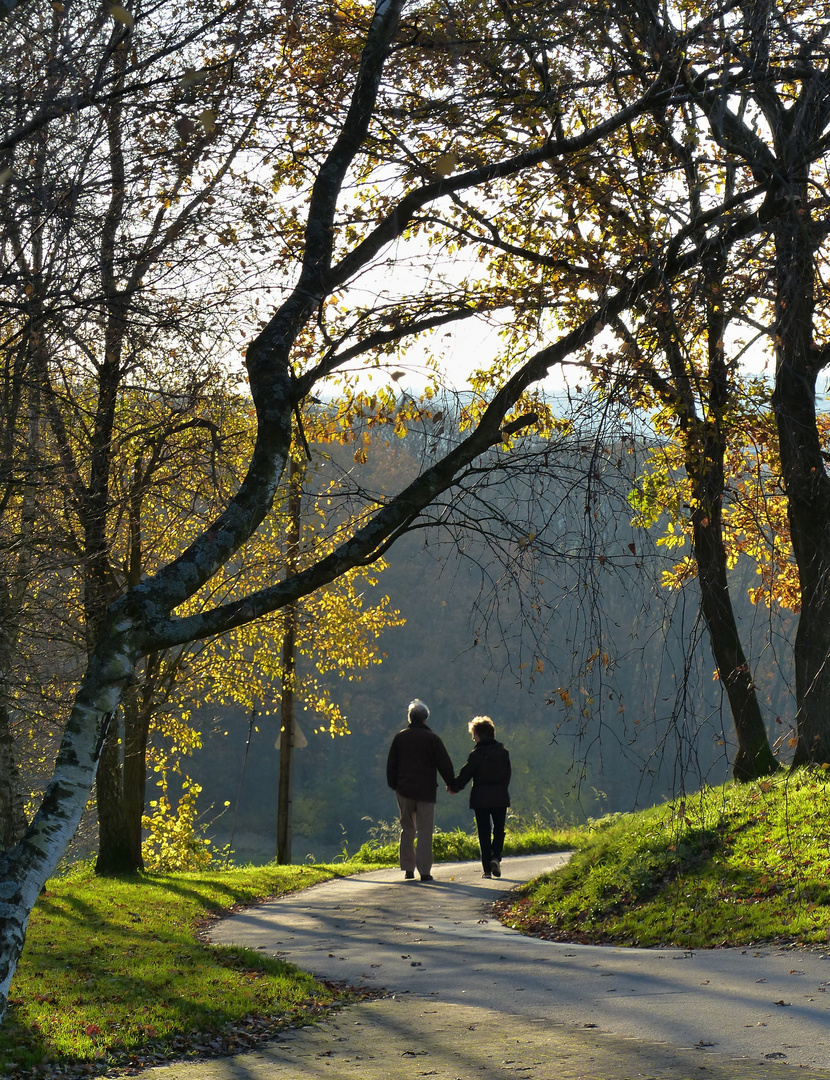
x=26, y=867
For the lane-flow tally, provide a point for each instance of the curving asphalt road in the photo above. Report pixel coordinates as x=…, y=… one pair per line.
x=471, y=998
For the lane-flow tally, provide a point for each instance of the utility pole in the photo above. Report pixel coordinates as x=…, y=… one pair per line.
x=285, y=792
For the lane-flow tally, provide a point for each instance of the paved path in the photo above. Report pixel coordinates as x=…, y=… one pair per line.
x=474, y=999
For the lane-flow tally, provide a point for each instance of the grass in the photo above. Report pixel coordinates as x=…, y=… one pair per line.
x=521, y=838
x=114, y=974
x=735, y=865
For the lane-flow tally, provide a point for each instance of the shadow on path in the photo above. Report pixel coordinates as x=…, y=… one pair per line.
x=407, y=1038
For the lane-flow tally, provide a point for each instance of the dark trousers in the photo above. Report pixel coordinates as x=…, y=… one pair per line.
x=491, y=845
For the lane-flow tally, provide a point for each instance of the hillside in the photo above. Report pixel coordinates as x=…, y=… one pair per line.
x=731, y=865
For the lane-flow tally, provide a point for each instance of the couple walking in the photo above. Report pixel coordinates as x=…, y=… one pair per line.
x=416, y=757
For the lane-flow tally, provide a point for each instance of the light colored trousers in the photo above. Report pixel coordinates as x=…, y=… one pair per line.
x=417, y=819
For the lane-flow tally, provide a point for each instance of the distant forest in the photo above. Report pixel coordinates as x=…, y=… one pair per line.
x=599, y=681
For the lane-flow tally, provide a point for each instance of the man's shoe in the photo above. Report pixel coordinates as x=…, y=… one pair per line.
x=409, y=874
x=495, y=868
x=427, y=877
x=485, y=874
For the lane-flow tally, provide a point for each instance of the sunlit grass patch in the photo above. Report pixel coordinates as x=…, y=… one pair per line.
x=739, y=864
x=113, y=968
x=455, y=845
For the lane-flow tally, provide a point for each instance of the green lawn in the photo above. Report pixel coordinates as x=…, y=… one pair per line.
x=114, y=971
x=735, y=865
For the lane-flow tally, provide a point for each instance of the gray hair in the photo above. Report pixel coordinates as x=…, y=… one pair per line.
x=418, y=712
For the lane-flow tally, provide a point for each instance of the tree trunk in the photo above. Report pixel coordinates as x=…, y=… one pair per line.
x=754, y=756
x=117, y=852
x=704, y=443
x=26, y=867
x=705, y=465
x=805, y=478
x=12, y=815
x=13, y=594
x=137, y=724
x=285, y=792
x=121, y=783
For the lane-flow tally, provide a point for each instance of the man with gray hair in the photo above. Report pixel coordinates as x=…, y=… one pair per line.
x=416, y=757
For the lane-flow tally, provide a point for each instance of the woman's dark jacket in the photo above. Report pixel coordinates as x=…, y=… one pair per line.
x=489, y=769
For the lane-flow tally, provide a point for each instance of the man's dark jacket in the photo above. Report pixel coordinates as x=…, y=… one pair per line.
x=415, y=757
x=489, y=769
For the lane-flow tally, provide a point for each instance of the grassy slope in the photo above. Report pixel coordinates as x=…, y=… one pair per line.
x=114, y=972
x=735, y=865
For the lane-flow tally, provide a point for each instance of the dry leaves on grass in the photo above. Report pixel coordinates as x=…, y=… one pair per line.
x=235, y=1038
